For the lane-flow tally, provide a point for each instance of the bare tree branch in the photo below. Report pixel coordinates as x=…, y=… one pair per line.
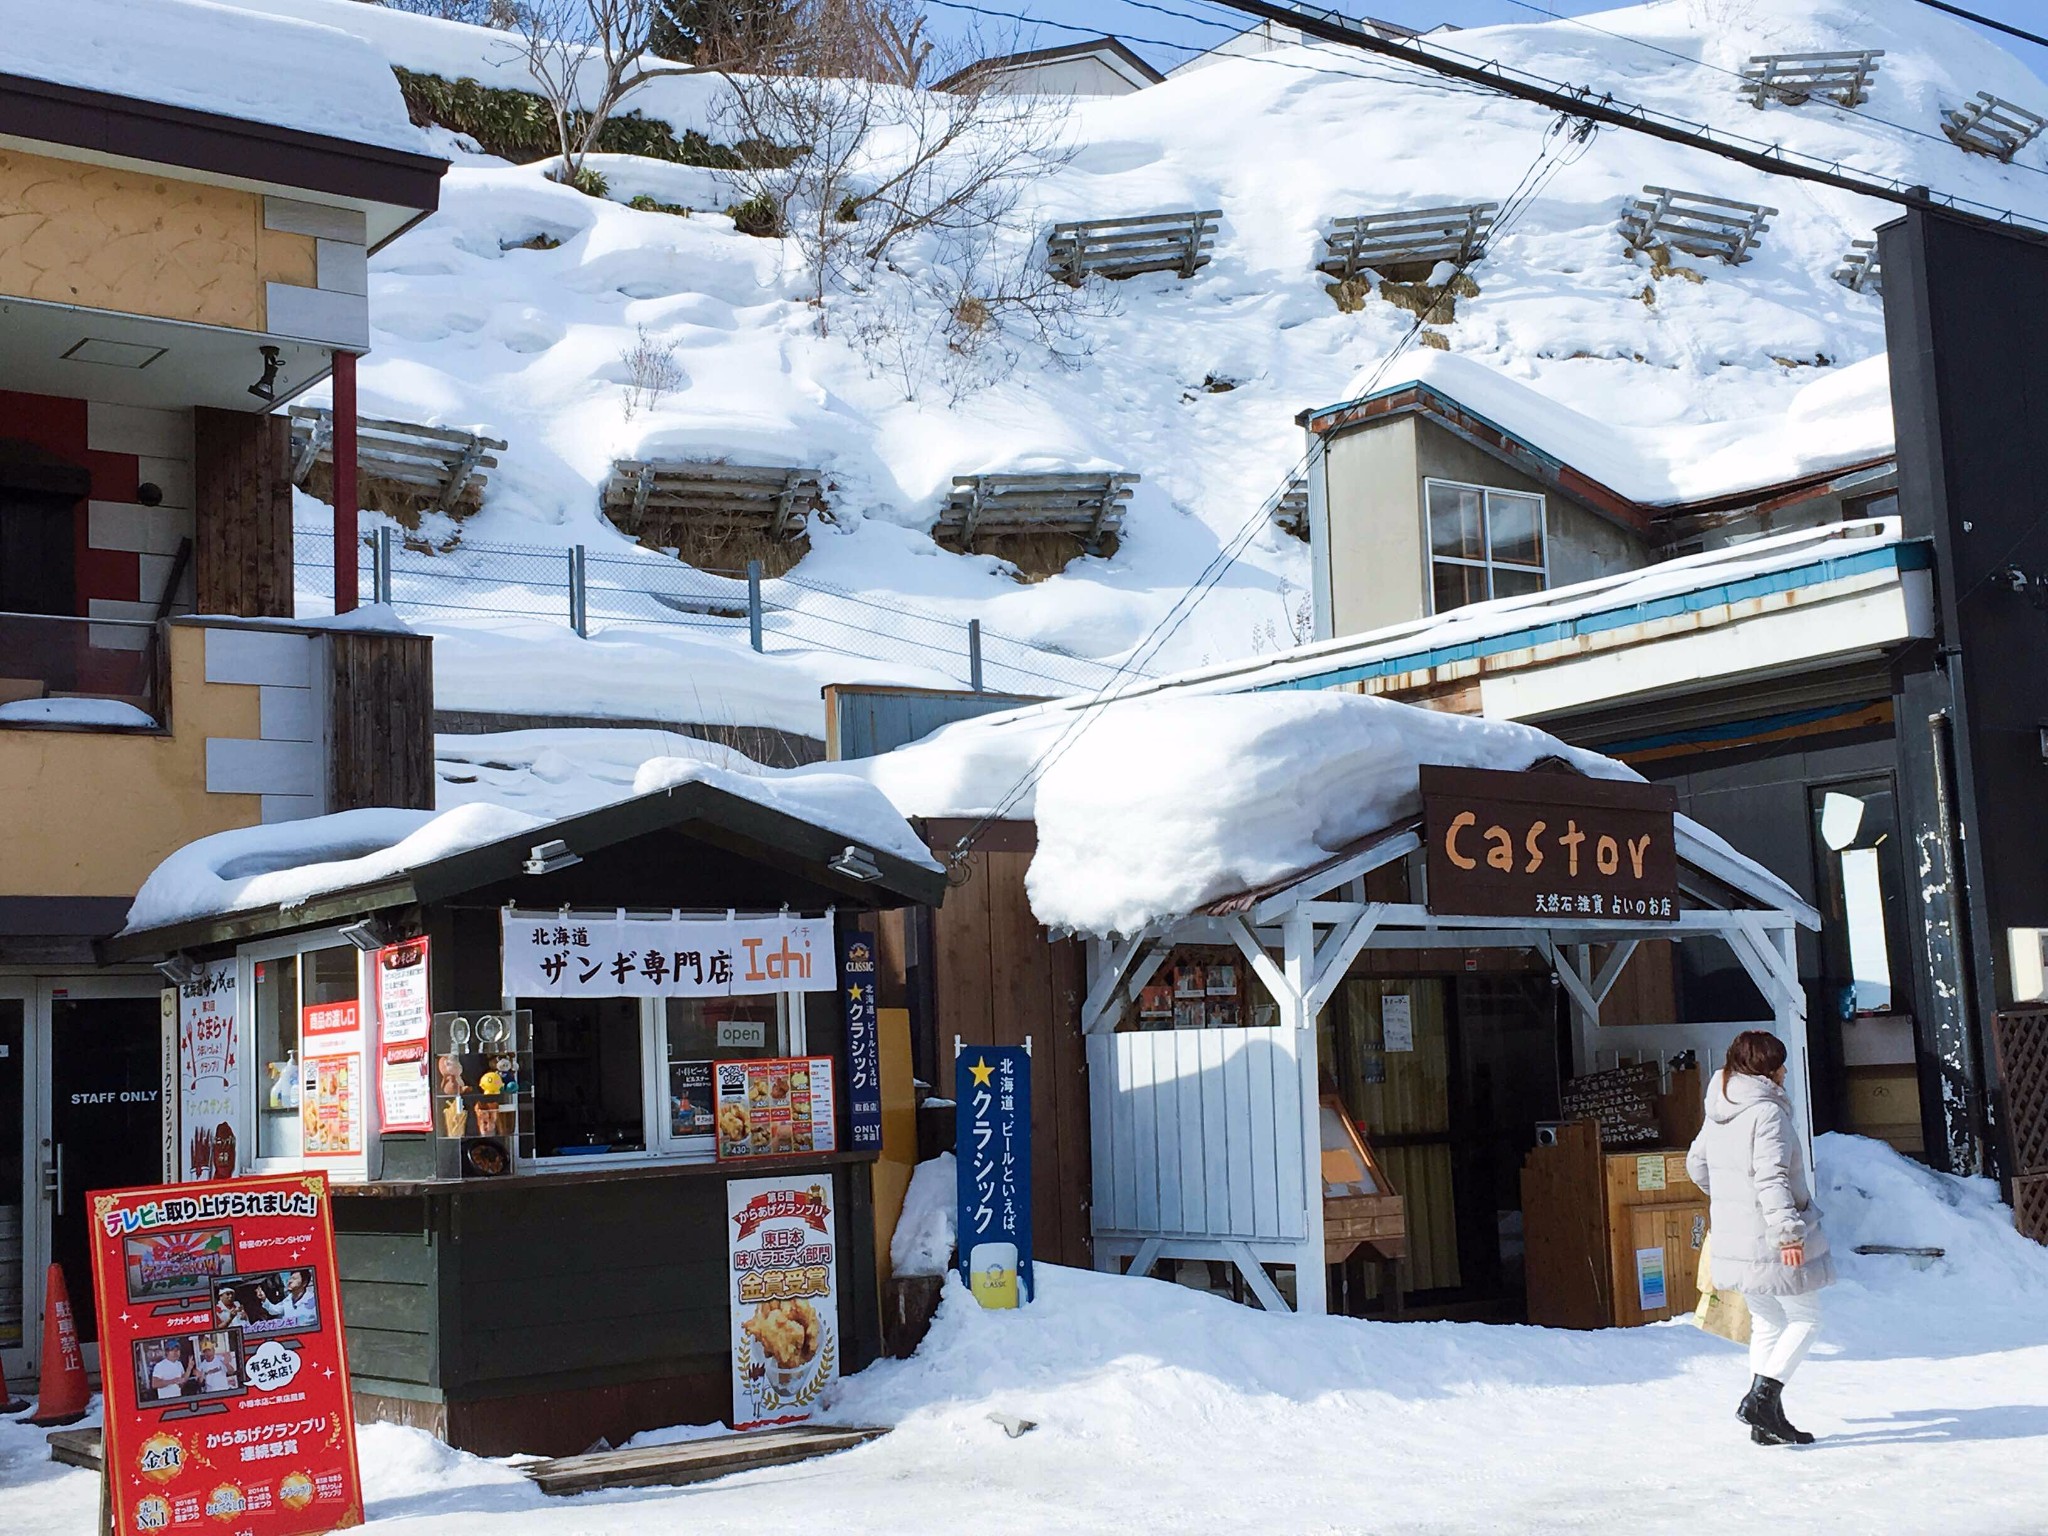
x=566, y=42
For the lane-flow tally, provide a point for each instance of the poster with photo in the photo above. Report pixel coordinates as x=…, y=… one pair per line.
x=243, y=1425
x=209, y=1073
x=404, y=1020
x=783, y=1253
x=692, y=1106
x=777, y=1107
x=330, y=1106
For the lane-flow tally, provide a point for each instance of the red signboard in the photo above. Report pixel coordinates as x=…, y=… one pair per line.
x=224, y=1368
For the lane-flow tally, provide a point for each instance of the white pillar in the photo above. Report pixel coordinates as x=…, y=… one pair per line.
x=1311, y=1275
x=1790, y=1013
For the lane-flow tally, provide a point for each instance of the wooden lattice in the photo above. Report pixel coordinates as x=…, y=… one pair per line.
x=1695, y=223
x=1400, y=245
x=2030, y=1206
x=435, y=465
x=1126, y=247
x=661, y=497
x=1797, y=78
x=1088, y=506
x=1290, y=508
x=2021, y=1039
x=1860, y=271
x=1991, y=125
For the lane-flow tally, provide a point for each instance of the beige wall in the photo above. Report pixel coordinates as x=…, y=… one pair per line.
x=93, y=812
x=1376, y=561
x=142, y=244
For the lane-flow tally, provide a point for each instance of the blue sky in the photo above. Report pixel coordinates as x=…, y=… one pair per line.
x=1167, y=39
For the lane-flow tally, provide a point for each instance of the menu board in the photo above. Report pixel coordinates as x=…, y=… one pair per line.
x=1623, y=1100
x=777, y=1107
x=223, y=1359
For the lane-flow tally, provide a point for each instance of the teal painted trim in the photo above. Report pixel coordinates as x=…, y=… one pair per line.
x=1734, y=730
x=1904, y=556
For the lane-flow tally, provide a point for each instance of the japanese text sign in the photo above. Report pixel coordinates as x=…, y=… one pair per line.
x=585, y=956
x=209, y=1072
x=224, y=1365
x=1549, y=845
x=775, y=1106
x=783, y=1252
x=992, y=1098
x=404, y=1015
x=863, y=1041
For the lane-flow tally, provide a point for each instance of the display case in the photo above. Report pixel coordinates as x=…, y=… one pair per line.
x=482, y=1083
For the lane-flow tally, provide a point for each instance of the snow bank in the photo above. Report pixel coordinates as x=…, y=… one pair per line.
x=839, y=802
x=215, y=58
x=288, y=862
x=923, y=1240
x=1161, y=806
x=73, y=712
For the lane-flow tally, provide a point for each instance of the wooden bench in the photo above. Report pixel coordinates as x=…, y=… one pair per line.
x=650, y=498
x=1089, y=506
x=1695, y=223
x=1860, y=271
x=1118, y=248
x=436, y=465
x=695, y=1461
x=1797, y=78
x=1991, y=125
x=1399, y=245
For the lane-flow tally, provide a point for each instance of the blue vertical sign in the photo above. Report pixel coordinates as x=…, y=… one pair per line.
x=992, y=1099
x=863, y=1041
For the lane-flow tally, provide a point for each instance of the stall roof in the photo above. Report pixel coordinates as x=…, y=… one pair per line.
x=711, y=812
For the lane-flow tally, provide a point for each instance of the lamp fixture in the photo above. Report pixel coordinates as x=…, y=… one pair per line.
x=546, y=858
x=265, y=388
x=177, y=969
x=372, y=932
x=855, y=863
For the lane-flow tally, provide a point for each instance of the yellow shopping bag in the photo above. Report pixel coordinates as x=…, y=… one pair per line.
x=1720, y=1312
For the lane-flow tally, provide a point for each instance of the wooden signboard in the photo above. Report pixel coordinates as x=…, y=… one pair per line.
x=1623, y=1101
x=1549, y=845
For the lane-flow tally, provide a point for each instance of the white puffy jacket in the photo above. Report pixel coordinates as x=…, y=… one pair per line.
x=1748, y=1159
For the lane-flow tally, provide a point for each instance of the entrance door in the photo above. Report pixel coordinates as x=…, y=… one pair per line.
x=16, y=1264
x=38, y=542
x=105, y=1125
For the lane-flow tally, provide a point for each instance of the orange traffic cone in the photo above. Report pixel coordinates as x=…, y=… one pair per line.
x=9, y=1403
x=64, y=1394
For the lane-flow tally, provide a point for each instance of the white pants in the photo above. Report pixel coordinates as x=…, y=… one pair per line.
x=1781, y=1330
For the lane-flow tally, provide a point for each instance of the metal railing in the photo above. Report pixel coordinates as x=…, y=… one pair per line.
x=59, y=669
x=592, y=592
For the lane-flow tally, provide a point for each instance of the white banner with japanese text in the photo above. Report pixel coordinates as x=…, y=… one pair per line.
x=582, y=955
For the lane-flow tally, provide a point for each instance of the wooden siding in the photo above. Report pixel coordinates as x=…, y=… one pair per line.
x=380, y=720
x=999, y=978
x=390, y=1294
x=242, y=493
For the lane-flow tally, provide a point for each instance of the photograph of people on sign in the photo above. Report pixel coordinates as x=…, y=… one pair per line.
x=775, y=1107
x=226, y=1397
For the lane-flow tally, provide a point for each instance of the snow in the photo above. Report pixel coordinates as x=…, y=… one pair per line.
x=923, y=1241
x=1161, y=1409
x=840, y=802
x=289, y=862
x=1716, y=384
x=73, y=712
x=215, y=58
x=1164, y=805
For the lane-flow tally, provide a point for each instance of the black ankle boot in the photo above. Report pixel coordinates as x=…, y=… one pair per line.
x=1746, y=1410
x=1769, y=1413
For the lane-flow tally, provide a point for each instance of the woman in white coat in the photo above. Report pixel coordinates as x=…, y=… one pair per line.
x=1767, y=1239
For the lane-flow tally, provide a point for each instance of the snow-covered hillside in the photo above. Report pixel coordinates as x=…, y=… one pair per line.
x=526, y=344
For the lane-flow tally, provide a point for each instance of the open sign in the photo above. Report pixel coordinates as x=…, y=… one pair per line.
x=1543, y=844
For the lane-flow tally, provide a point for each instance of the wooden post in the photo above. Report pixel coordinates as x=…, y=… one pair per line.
x=346, y=501
x=1311, y=1274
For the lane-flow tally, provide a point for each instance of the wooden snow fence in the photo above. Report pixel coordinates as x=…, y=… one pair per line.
x=400, y=465
x=1126, y=247
x=715, y=513
x=1860, y=271
x=1695, y=223
x=1991, y=125
x=1084, y=507
x=1794, y=79
x=1406, y=246
x=1290, y=508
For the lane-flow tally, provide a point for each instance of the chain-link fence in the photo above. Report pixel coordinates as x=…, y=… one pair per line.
x=591, y=593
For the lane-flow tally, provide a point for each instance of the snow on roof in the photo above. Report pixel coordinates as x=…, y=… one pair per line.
x=839, y=802
x=214, y=58
x=1844, y=416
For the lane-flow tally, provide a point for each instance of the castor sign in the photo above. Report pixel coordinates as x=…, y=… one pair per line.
x=1544, y=844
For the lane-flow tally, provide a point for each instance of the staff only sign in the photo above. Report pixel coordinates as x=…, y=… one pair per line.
x=621, y=956
x=224, y=1368
x=1549, y=845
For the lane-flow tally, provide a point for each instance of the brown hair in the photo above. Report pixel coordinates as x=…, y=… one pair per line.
x=1753, y=1053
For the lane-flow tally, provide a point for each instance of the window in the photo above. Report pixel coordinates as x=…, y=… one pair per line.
x=1482, y=544
x=698, y=1031
x=304, y=999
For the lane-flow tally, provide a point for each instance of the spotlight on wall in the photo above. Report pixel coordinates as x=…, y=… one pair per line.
x=855, y=863
x=177, y=969
x=150, y=494
x=546, y=858
x=372, y=932
x=265, y=388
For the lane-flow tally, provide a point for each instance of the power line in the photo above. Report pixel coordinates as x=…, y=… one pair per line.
x=1986, y=21
x=1581, y=101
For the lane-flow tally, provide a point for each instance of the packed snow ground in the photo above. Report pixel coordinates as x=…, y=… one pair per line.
x=1161, y=1409
x=1745, y=374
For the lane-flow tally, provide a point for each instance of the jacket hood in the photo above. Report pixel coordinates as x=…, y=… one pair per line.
x=1743, y=1092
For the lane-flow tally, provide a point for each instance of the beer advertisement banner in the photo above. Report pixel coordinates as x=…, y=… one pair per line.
x=782, y=1242
x=992, y=1098
x=224, y=1367
x=863, y=1042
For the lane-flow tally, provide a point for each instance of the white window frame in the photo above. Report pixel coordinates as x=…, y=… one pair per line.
x=246, y=958
x=1432, y=559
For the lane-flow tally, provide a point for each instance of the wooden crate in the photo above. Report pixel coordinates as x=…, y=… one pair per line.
x=1597, y=1224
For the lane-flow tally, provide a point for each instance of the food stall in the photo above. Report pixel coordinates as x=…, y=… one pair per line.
x=567, y=1077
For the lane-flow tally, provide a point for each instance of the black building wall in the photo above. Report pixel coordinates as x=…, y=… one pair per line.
x=1966, y=321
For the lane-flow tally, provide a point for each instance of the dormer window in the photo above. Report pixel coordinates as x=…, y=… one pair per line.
x=1483, y=543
